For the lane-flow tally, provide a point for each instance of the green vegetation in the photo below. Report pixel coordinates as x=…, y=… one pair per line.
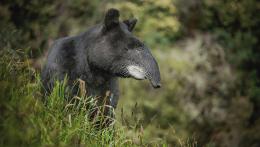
x=27, y=121
x=207, y=50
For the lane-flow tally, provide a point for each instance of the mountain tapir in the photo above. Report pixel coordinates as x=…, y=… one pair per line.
x=100, y=56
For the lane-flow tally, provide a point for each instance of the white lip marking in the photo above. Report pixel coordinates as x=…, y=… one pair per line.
x=136, y=71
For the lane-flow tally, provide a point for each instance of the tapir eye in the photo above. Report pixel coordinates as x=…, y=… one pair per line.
x=126, y=48
x=135, y=44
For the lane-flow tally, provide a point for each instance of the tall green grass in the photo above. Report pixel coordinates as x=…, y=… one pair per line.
x=30, y=119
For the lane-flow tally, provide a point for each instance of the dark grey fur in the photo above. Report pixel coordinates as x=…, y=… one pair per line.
x=99, y=56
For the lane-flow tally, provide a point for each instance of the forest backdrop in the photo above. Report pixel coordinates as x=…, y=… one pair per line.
x=207, y=50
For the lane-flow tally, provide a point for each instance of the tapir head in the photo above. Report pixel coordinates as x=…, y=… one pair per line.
x=118, y=52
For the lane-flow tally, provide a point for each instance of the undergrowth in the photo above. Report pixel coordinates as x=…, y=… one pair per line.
x=30, y=119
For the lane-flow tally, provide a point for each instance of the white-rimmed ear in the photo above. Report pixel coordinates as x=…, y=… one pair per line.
x=130, y=23
x=111, y=19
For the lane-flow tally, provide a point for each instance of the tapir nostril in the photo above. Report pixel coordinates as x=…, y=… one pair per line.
x=157, y=86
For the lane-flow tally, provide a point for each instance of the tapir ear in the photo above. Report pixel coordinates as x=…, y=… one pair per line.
x=111, y=19
x=130, y=23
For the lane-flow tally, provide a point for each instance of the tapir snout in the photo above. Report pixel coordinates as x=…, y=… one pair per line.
x=144, y=66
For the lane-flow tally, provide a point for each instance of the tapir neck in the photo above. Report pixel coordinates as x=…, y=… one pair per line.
x=103, y=84
x=98, y=82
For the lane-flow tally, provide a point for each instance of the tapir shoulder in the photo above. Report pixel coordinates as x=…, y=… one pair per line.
x=62, y=48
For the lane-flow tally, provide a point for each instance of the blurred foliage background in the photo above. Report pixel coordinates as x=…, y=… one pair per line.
x=207, y=50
